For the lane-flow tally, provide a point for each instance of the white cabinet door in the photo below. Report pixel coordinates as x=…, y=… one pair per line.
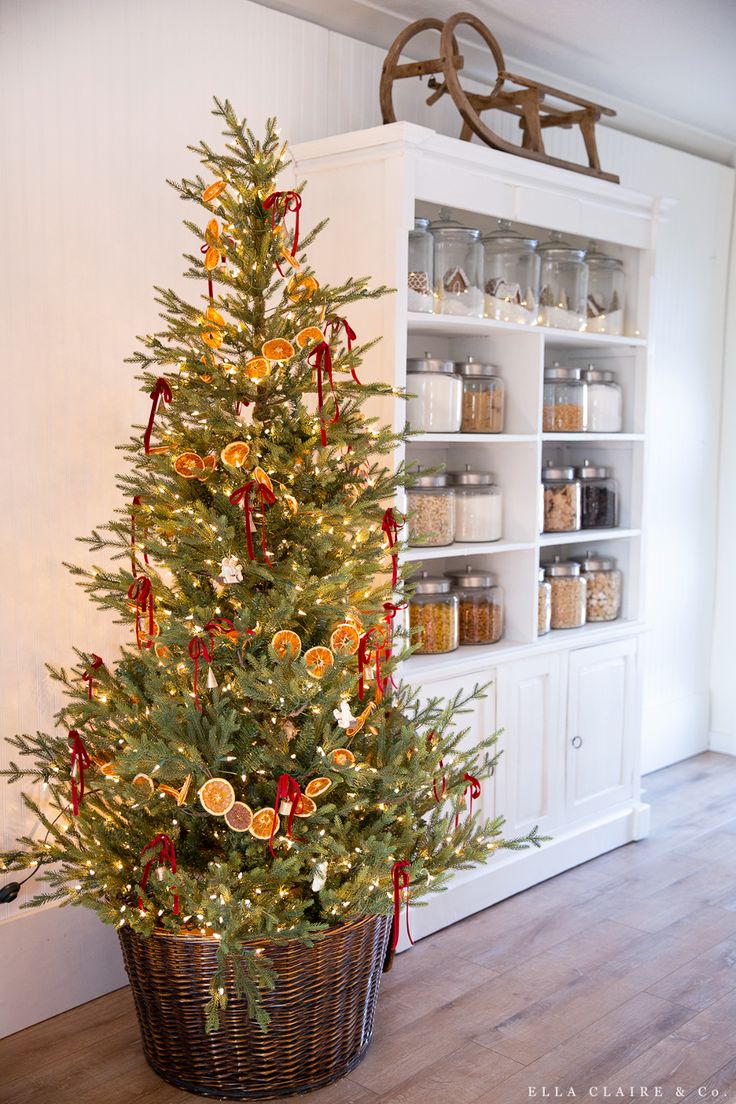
x=529, y=710
x=602, y=727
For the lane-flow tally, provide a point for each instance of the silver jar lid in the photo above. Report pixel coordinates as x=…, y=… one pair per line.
x=470, y=478
x=430, y=584
x=554, y=473
x=597, y=375
x=593, y=471
x=471, y=367
x=471, y=577
x=558, y=249
x=446, y=223
x=428, y=363
x=504, y=238
x=420, y=478
x=595, y=257
x=560, y=568
x=421, y=224
x=559, y=372
x=594, y=561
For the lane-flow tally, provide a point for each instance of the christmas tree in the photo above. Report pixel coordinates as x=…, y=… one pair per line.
x=246, y=767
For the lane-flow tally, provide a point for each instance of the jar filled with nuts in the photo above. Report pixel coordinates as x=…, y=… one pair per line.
x=561, y=499
x=568, y=594
x=544, y=604
x=433, y=615
x=430, y=510
x=481, y=605
x=483, y=395
x=603, y=583
x=565, y=400
x=598, y=496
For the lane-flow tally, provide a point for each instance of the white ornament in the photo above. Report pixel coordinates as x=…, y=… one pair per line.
x=231, y=570
x=343, y=715
x=320, y=877
x=211, y=680
x=285, y=807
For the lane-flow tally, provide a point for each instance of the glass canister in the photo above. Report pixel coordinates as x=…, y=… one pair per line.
x=605, y=403
x=458, y=266
x=481, y=605
x=544, y=604
x=603, y=587
x=568, y=595
x=565, y=400
x=511, y=274
x=598, y=496
x=433, y=615
x=478, y=505
x=563, y=280
x=606, y=292
x=421, y=268
x=483, y=397
x=561, y=499
x=436, y=395
x=430, y=510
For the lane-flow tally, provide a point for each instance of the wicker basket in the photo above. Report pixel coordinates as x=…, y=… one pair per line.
x=321, y=1011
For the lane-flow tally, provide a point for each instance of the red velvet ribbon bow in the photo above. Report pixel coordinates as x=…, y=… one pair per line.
x=165, y=854
x=279, y=204
x=242, y=495
x=161, y=390
x=350, y=336
x=400, y=880
x=475, y=790
x=321, y=359
x=136, y=502
x=198, y=650
x=87, y=676
x=80, y=761
x=390, y=526
x=141, y=592
x=370, y=651
x=223, y=626
x=287, y=789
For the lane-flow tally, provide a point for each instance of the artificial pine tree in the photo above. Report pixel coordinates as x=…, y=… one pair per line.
x=248, y=746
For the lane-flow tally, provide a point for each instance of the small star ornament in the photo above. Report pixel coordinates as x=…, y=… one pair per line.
x=231, y=570
x=343, y=715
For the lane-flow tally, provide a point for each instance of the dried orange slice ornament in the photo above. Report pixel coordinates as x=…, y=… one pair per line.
x=189, y=465
x=214, y=190
x=345, y=640
x=235, y=454
x=217, y=796
x=144, y=782
x=311, y=335
x=318, y=661
x=262, y=477
x=214, y=317
x=264, y=823
x=317, y=787
x=343, y=757
x=278, y=348
x=301, y=288
x=291, y=503
x=239, y=817
x=210, y=462
x=257, y=368
x=286, y=644
x=305, y=807
x=179, y=795
x=162, y=651
x=212, y=338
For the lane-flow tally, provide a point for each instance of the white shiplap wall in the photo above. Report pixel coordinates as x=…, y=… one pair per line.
x=97, y=104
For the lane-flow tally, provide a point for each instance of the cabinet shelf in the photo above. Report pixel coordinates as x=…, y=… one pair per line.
x=585, y=438
x=476, y=548
x=587, y=536
x=475, y=438
x=450, y=324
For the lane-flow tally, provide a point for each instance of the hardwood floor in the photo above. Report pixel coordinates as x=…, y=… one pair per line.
x=620, y=973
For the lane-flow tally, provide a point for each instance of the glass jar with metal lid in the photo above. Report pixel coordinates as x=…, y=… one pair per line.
x=561, y=499
x=481, y=605
x=435, y=395
x=478, y=505
x=565, y=400
x=421, y=267
x=604, y=401
x=511, y=275
x=563, y=280
x=603, y=586
x=598, y=496
x=483, y=397
x=458, y=266
x=606, y=292
x=544, y=604
x=433, y=615
x=568, y=595
x=430, y=509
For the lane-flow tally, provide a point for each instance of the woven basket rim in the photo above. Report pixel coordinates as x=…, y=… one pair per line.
x=196, y=936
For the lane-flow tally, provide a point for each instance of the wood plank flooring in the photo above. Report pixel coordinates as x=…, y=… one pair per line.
x=618, y=974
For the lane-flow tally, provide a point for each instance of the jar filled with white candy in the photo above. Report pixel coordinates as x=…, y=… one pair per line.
x=511, y=276
x=605, y=404
x=478, y=505
x=606, y=292
x=421, y=281
x=563, y=281
x=435, y=402
x=458, y=266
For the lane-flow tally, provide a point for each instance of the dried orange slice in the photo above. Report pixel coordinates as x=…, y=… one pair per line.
x=343, y=757
x=354, y=620
x=261, y=477
x=235, y=454
x=311, y=335
x=355, y=728
x=278, y=348
x=214, y=316
x=239, y=817
x=317, y=787
x=206, y=378
x=257, y=368
x=305, y=807
x=211, y=259
x=286, y=644
x=162, y=651
x=318, y=661
x=189, y=465
x=264, y=820
x=212, y=191
x=213, y=228
x=345, y=640
x=212, y=338
x=217, y=796
x=286, y=256
x=144, y=781
x=210, y=463
x=179, y=795
x=291, y=503
x=301, y=288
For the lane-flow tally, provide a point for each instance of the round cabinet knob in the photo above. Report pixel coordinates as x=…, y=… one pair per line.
x=577, y=741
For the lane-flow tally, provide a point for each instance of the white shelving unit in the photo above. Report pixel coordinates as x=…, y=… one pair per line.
x=568, y=702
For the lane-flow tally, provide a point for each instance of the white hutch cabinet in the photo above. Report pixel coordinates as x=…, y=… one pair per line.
x=568, y=702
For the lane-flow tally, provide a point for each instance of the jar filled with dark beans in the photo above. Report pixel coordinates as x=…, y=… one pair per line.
x=598, y=497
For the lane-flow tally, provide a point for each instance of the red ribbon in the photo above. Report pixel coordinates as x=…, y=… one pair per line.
x=141, y=592
x=287, y=789
x=242, y=495
x=136, y=502
x=223, y=626
x=475, y=792
x=161, y=390
x=323, y=356
x=390, y=527
x=400, y=879
x=198, y=649
x=166, y=854
x=367, y=655
x=81, y=760
x=350, y=336
x=87, y=676
x=285, y=201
